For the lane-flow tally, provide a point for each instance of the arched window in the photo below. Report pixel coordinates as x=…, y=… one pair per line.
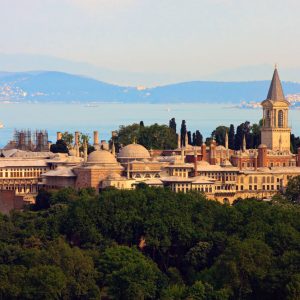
x=268, y=118
x=280, y=119
x=226, y=201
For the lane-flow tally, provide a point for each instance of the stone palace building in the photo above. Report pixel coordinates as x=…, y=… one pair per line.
x=221, y=173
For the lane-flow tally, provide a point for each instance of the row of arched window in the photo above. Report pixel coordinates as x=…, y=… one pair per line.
x=280, y=119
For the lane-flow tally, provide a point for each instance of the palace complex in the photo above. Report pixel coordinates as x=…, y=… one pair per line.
x=219, y=172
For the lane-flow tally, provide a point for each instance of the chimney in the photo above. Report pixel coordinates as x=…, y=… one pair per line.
x=203, y=150
x=58, y=136
x=262, y=156
x=96, y=138
x=255, y=161
x=195, y=162
x=76, y=138
x=85, y=151
x=212, y=153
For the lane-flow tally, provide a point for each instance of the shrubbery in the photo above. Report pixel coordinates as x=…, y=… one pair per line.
x=149, y=244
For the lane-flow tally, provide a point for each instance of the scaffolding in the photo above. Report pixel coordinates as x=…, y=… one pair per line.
x=25, y=140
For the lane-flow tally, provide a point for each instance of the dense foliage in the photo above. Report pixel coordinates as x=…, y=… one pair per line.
x=152, y=137
x=235, y=139
x=150, y=244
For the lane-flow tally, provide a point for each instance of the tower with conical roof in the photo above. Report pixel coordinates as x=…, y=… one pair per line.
x=275, y=133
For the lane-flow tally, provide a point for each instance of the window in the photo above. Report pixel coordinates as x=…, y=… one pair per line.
x=280, y=119
x=268, y=118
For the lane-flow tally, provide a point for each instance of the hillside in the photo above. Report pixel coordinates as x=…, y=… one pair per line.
x=45, y=86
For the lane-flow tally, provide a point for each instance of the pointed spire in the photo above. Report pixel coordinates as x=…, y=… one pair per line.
x=244, y=143
x=182, y=154
x=275, y=91
x=195, y=162
x=186, y=140
x=178, y=141
x=226, y=140
x=113, y=149
x=85, y=151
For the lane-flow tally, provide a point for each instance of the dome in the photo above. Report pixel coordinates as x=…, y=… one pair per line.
x=202, y=163
x=72, y=152
x=220, y=147
x=262, y=146
x=134, y=151
x=101, y=157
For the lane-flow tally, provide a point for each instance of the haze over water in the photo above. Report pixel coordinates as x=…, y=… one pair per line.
x=107, y=117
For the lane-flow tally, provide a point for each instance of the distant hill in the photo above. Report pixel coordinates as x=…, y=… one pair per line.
x=45, y=86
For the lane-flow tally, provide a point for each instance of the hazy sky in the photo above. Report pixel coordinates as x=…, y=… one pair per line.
x=185, y=38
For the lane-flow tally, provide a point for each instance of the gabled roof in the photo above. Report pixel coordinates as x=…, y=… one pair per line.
x=275, y=91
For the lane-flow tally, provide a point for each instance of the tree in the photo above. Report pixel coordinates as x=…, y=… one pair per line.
x=78, y=268
x=189, y=138
x=42, y=199
x=44, y=282
x=219, y=134
x=292, y=192
x=183, y=132
x=142, y=124
x=293, y=288
x=295, y=143
x=255, y=136
x=198, y=138
x=243, y=130
x=242, y=264
x=172, y=124
x=154, y=136
x=197, y=256
x=231, y=135
x=68, y=138
x=128, y=274
x=59, y=147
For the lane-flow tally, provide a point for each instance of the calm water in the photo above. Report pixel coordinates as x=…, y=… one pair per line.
x=108, y=117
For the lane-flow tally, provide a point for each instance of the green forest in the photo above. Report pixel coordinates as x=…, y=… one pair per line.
x=151, y=243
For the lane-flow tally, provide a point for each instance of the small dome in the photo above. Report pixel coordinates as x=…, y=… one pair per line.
x=101, y=157
x=202, y=163
x=114, y=176
x=134, y=151
x=226, y=163
x=72, y=152
x=262, y=146
x=220, y=147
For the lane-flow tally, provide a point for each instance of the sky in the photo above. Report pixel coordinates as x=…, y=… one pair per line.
x=152, y=42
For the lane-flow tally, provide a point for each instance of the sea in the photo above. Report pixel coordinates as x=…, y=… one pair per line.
x=107, y=117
